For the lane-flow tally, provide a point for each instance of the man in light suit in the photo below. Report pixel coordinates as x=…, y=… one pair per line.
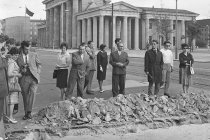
x=30, y=67
x=119, y=60
x=79, y=69
x=88, y=80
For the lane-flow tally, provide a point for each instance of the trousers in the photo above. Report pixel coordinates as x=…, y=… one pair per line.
x=166, y=76
x=118, y=80
x=29, y=87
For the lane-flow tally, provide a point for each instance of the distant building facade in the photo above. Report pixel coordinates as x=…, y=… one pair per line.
x=34, y=29
x=21, y=28
x=17, y=27
x=42, y=41
x=76, y=21
x=205, y=31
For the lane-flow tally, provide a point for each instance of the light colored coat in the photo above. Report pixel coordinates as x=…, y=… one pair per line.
x=34, y=64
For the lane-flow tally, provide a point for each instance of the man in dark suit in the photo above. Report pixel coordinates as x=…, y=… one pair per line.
x=3, y=91
x=79, y=69
x=153, y=63
x=30, y=67
x=119, y=61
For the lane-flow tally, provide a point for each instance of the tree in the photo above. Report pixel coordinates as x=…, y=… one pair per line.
x=193, y=32
x=162, y=23
x=3, y=38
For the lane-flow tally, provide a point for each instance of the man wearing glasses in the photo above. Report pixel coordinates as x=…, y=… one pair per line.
x=167, y=66
x=119, y=61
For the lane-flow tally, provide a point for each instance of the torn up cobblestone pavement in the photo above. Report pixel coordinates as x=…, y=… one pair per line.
x=154, y=112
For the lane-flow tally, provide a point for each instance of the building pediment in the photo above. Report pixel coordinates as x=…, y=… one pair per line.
x=120, y=6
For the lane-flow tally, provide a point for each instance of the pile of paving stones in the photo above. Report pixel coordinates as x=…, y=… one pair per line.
x=152, y=111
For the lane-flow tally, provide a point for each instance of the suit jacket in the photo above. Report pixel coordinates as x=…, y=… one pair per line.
x=34, y=64
x=153, y=63
x=92, y=56
x=79, y=67
x=116, y=58
x=3, y=78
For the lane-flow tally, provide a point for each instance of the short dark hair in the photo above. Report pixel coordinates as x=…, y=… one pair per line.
x=64, y=44
x=24, y=43
x=166, y=42
x=184, y=45
x=3, y=49
x=155, y=41
x=13, y=51
x=117, y=40
x=89, y=42
x=102, y=46
x=82, y=44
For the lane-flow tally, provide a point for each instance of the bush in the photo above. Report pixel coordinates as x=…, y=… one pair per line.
x=201, y=44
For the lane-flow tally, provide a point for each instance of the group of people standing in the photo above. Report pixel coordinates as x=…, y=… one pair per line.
x=83, y=64
x=158, y=65
x=20, y=73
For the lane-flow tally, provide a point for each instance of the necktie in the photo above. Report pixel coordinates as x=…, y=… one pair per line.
x=26, y=59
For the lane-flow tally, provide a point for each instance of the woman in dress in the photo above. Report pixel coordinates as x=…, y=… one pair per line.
x=63, y=62
x=102, y=61
x=13, y=76
x=186, y=60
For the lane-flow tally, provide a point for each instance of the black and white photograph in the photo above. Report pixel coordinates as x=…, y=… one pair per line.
x=104, y=69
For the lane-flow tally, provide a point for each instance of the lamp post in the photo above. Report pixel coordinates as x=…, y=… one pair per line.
x=176, y=46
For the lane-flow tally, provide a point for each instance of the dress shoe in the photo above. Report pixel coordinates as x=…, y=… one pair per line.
x=25, y=117
x=29, y=116
x=90, y=92
x=166, y=94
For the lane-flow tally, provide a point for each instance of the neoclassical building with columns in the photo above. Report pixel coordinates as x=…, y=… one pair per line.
x=76, y=21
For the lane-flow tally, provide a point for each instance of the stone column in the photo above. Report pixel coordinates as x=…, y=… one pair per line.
x=68, y=23
x=136, y=38
x=89, y=33
x=118, y=28
x=56, y=27
x=74, y=24
x=129, y=33
x=125, y=32
x=171, y=34
x=146, y=30
x=48, y=28
x=84, y=30
x=79, y=40
x=114, y=30
x=95, y=35
x=183, y=30
x=106, y=37
x=51, y=32
x=62, y=10
x=143, y=40
x=101, y=29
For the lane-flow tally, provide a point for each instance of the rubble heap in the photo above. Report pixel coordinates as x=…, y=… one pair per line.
x=136, y=108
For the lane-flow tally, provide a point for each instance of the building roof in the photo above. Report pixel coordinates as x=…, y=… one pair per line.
x=204, y=22
x=37, y=20
x=166, y=10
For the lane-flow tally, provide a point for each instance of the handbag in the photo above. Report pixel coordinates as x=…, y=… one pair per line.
x=192, y=72
x=14, y=87
x=55, y=73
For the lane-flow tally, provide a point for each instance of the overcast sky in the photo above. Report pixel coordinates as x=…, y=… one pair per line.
x=9, y=8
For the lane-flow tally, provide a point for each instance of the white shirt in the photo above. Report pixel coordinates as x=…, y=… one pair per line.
x=26, y=57
x=167, y=56
x=119, y=52
x=82, y=56
x=63, y=59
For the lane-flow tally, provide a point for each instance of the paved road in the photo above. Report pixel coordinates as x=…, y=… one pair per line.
x=48, y=93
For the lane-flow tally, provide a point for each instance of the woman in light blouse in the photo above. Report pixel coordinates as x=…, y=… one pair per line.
x=63, y=62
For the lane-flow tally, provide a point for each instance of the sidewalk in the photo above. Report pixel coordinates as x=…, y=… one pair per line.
x=200, y=55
